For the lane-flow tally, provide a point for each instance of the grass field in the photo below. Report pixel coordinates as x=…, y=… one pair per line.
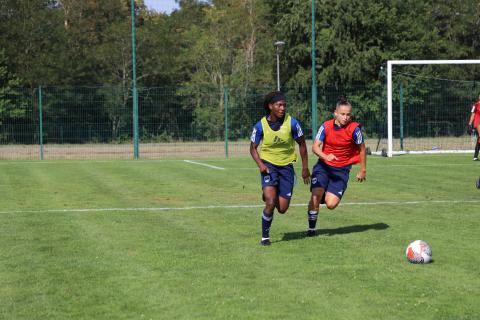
x=179, y=240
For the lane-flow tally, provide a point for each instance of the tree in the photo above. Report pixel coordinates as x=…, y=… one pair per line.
x=31, y=36
x=13, y=104
x=228, y=50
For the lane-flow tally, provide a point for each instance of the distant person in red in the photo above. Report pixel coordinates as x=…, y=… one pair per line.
x=338, y=144
x=474, y=123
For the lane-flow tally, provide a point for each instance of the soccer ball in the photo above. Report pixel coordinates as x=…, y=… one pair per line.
x=419, y=252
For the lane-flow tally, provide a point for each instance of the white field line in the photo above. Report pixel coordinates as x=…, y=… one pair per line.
x=247, y=206
x=75, y=161
x=428, y=165
x=380, y=166
x=204, y=164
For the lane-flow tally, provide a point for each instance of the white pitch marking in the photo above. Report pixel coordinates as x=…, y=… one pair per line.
x=204, y=164
x=426, y=165
x=247, y=206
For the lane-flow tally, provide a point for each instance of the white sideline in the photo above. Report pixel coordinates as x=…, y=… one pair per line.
x=204, y=164
x=247, y=206
x=436, y=151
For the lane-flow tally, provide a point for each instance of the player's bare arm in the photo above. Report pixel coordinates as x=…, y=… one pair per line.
x=470, y=122
x=317, y=149
x=362, y=173
x=256, y=157
x=472, y=117
x=302, y=146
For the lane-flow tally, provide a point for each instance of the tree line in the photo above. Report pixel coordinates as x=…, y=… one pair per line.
x=206, y=46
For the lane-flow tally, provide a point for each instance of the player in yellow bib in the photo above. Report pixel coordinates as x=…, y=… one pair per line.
x=278, y=132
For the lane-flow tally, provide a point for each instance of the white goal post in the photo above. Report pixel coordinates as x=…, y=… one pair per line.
x=390, y=64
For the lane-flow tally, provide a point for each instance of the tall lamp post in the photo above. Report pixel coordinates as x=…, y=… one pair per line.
x=278, y=45
x=314, y=77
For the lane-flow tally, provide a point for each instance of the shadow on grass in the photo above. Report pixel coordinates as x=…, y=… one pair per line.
x=331, y=232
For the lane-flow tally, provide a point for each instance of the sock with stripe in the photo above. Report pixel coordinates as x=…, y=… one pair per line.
x=312, y=219
x=267, y=219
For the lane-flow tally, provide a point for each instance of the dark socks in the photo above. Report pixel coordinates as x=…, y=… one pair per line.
x=266, y=223
x=477, y=148
x=312, y=219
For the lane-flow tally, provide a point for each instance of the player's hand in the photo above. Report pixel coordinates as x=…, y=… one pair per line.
x=470, y=129
x=361, y=176
x=306, y=175
x=330, y=157
x=264, y=169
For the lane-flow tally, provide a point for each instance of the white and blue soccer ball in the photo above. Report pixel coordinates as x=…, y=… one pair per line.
x=419, y=252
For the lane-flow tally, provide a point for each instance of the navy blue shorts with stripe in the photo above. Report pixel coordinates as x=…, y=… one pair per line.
x=282, y=177
x=332, y=179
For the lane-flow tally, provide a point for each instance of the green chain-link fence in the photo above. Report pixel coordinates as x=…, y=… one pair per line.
x=185, y=122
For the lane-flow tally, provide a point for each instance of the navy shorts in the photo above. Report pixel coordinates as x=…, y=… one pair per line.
x=282, y=177
x=332, y=179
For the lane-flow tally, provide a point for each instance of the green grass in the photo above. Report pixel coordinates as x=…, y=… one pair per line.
x=205, y=263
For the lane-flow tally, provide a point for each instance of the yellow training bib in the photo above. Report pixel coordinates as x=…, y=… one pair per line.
x=278, y=147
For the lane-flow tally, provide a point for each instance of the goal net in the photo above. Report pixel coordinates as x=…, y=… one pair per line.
x=428, y=112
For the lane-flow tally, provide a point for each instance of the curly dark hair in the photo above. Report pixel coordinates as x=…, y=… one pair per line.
x=274, y=95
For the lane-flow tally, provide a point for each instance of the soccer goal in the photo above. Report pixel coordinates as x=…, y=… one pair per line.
x=428, y=114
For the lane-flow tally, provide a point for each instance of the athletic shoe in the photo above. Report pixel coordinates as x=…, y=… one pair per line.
x=265, y=242
x=475, y=159
x=311, y=233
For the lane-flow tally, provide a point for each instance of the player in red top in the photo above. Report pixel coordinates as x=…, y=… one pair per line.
x=338, y=144
x=474, y=123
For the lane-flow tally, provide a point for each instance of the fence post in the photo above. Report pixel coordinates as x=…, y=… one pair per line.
x=134, y=83
x=225, y=109
x=135, y=123
x=401, y=116
x=40, y=120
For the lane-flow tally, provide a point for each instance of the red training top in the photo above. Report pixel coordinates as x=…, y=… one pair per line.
x=476, y=110
x=340, y=143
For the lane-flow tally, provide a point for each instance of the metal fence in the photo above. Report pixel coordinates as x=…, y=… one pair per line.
x=193, y=122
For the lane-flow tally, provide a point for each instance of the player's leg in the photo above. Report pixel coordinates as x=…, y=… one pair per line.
x=269, y=189
x=313, y=207
x=337, y=187
x=270, y=194
x=319, y=183
x=477, y=146
x=331, y=200
x=286, y=181
x=282, y=204
x=315, y=199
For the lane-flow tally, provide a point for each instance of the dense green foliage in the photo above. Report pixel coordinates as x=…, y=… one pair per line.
x=205, y=47
x=176, y=240
x=225, y=42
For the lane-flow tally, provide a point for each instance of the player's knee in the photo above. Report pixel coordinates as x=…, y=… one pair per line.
x=282, y=210
x=270, y=203
x=331, y=204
